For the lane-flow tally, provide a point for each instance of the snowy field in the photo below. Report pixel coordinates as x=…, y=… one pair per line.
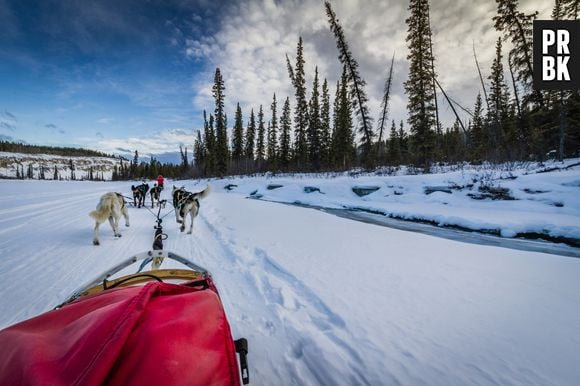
x=325, y=300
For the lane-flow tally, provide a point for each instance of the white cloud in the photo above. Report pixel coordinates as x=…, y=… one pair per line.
x=167, y=141
x=255, y=35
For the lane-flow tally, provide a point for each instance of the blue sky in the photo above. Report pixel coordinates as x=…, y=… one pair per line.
x=116, y=75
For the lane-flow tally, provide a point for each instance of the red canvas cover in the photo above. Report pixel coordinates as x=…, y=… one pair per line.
x=157, y=334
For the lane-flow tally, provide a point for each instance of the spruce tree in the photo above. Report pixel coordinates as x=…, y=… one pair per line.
x=403, y=143
x=314, y=125
x=285, y=128
x=199, y=151
x=250, y=137
x=238, y=136
x=211, y=145
x=261, y=142
x=498, y=101
x=301, y=110
x=570, y=9
x=342, y=144
x=394, y=154
x=222, y=151
x=518, y=27
x=479, y=140
x=357, y=88
x=420, y=93
x=325, y=135
x=273, y=135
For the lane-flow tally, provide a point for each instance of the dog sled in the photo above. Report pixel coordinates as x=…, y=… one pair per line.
x=163, y=326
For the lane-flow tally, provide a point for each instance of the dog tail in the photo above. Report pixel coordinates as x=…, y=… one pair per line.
x=103, y=210
x=204, y=193
x=100, y=215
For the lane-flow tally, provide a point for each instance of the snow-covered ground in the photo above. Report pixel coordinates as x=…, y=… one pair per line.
x=325, y=300
x=535, y=201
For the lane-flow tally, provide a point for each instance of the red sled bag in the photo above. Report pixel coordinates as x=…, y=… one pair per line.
x=156, y=334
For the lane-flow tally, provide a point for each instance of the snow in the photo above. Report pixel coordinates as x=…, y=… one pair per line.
x=325, y=300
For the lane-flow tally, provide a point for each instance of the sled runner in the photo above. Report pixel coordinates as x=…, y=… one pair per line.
x=157, y=327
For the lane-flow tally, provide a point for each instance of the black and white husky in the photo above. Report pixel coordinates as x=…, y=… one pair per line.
x=186, y=202
x=111, y=207
x=155, y=193
x=139, y=193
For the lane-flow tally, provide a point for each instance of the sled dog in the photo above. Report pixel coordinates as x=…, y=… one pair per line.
x=111, y=207
x=186, y=202
x=155, y=193
x=139, y=192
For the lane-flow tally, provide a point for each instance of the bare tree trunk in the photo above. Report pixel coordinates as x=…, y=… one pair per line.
x=480, y=78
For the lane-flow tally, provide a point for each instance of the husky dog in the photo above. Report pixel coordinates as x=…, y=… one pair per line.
x=155, y=193
x=139, y=192
x=186, y=202
x=111, y=206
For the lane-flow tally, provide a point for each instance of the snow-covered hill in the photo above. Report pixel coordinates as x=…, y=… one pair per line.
x=101, y=167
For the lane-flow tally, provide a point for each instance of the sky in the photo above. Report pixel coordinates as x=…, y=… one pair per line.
x=125, y=75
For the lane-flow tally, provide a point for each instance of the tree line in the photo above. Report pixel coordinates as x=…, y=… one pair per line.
x=18, y=147
x=325, y=130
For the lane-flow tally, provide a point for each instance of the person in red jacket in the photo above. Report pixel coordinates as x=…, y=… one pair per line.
x=160, y=181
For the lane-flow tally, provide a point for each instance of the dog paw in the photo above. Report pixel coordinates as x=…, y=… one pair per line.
x=127, y=225
x=96, y=242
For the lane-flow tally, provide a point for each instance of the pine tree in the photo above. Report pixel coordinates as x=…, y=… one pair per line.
x=238, y=136
x=314, y=125
x=222, y=151
x=357, y=88
x=273, y=135
x=285, y=128
x=261, y=144
x=421, y=104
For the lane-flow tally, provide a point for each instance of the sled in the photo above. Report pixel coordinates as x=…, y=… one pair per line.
x=155, y=327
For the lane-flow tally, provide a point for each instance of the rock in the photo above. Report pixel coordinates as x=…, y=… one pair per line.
x=311, y=189
x=230, y=186
x=364, y=190
x=273, y=186
x=431, y=189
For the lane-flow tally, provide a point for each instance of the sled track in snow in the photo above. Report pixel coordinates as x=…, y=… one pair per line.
x=291, y=303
